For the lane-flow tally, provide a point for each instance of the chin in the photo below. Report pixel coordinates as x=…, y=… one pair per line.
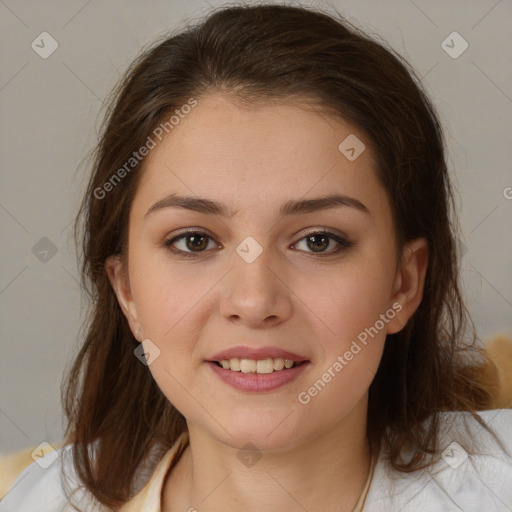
x=266, y=434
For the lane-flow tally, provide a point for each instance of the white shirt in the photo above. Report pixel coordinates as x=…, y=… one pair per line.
x=456, y=481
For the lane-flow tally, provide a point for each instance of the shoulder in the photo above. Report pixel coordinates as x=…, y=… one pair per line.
x=473, y=473
x=51, y=484
x=46, y=485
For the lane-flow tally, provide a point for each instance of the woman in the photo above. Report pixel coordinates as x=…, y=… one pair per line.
x=276, y=322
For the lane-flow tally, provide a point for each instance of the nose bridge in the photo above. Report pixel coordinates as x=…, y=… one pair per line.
x=253, y=264
x=256, y=292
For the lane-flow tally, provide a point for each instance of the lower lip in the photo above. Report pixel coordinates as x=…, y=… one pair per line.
x=256, y=382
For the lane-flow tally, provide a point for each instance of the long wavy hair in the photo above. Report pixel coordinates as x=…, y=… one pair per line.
x=263, y=53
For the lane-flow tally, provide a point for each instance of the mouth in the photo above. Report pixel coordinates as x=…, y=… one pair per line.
x=258, y=366
x=262, y=369
x=257, y=375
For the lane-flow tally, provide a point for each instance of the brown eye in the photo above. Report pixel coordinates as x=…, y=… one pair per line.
x=195, y=243
x=319, y=241
x=191, y=242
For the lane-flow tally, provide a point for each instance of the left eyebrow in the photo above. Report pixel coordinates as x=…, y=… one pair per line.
x=292, y=207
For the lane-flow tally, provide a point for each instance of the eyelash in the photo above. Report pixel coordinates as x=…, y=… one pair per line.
x=343, y=243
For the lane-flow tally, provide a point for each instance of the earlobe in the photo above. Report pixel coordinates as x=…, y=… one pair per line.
x=409, y=283
x=120, y=283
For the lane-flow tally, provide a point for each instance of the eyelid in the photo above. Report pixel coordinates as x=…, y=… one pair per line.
x=339, y=237
x=319, y=230
x=305, y=232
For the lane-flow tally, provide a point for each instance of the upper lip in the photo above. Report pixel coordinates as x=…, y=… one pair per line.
x=245, y=352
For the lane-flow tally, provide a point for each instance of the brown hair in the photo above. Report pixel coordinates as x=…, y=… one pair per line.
x=266, y=53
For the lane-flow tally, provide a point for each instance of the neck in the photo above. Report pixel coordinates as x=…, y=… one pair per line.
x=327, y=472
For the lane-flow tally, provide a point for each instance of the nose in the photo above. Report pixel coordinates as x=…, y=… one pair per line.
x=256, y=292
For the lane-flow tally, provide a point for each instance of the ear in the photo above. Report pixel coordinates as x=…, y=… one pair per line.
x=118, y=276
x=409, y=282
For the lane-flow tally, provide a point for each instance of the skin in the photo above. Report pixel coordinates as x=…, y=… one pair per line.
x=253, y=160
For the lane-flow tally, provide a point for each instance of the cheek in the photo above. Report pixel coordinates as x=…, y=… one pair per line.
x=164, y=294
x=351, y=300
x=340, y=384
x=355, y=306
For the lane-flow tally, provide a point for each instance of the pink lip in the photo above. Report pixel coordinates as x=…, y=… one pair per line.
x=257, y=382
x=244, y=352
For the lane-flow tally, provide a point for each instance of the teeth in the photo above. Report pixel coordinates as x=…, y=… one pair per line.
x=234, y=364
x=278, y=363
x=247, y=365
x=265, y=366
x=260, y=366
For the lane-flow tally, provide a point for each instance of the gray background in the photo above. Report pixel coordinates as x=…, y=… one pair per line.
x=50, y=117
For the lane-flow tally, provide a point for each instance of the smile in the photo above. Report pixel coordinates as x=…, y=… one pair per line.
x=257, y=375
x=260, y=366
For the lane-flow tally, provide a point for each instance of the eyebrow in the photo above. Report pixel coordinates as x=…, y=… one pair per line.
x=292, y=207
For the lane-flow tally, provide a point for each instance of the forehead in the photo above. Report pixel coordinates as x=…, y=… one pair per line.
x=255, y=159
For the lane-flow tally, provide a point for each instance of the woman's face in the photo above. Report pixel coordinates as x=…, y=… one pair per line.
x=260, y=279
